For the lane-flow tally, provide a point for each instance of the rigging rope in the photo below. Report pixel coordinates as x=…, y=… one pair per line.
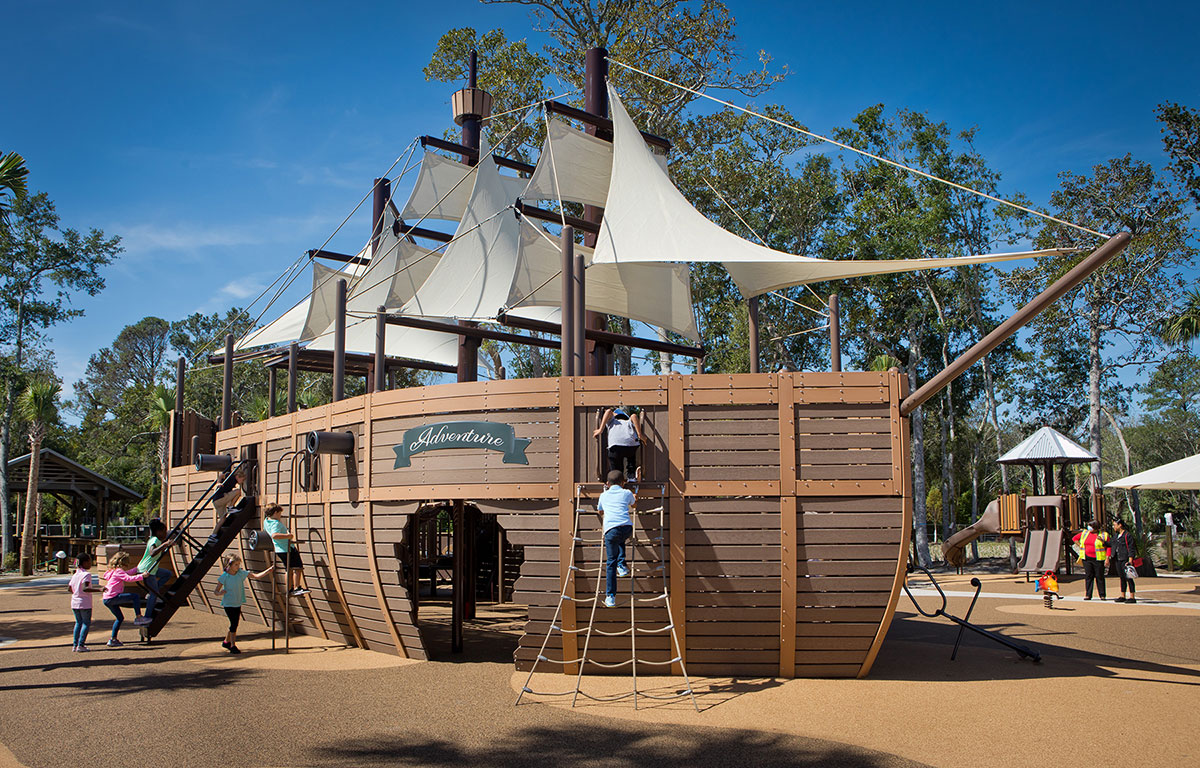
x=863, y=152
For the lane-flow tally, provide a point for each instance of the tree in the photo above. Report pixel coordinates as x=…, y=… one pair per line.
x=162, y=404
x=38, y=275
x=39, y=406
x=1115, y=315
x=1183, y=326
x=13, y=176
x=1181, y=140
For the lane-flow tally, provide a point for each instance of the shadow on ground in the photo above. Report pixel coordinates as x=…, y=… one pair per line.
x=913, y=652
x=603, y=745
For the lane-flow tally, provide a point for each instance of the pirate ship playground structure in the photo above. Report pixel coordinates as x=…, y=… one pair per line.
x=780, y=504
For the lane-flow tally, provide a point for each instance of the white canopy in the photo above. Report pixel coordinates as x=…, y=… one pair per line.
x=575, y=166
x=411, y=343
x=397, y=270
x=647, y=219
x=443, y=189
x=658, y=294
x=1182, y=475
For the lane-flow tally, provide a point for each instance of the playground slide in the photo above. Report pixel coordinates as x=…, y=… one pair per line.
x=1043, y=551
x=989, y=522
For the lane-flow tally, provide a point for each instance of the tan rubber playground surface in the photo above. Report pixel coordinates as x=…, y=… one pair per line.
x=1128, y=673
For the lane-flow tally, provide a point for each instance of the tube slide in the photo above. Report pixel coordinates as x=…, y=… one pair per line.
x=988, y=522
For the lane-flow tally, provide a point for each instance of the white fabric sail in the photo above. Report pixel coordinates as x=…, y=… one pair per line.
x=397, y=270
x=309, y=317
x=574, y=166
x=658, y=294
x=648, y=219
x=410, y=343
x=475, y=275
x=443, y=189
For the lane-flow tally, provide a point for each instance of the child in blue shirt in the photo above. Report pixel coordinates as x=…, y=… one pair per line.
x=616, y=505
x=231, y=588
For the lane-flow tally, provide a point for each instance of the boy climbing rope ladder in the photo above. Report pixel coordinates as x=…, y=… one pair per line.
x=624, y=438
x=615, y=505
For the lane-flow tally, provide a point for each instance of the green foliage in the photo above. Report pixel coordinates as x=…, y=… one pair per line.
x=1187, y=561
x=1181, y=140
x=11, y=559
x=1183, y=325
x=13, y=180
x=38, y=404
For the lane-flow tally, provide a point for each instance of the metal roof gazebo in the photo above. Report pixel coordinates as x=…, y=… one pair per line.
x=1046, y=448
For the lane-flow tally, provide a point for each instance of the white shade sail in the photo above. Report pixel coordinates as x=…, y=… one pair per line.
x=309, y=317
x=443, y=189
x=411, y=343
x=575, y=166
x=393, y=276
x=647, y=218
x=1181, y=475
x=475, y=276
x=658, y=294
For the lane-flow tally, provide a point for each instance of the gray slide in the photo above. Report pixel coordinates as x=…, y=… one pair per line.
x=1043, y=551
x=988, y=522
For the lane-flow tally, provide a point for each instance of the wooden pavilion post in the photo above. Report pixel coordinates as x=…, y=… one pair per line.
x=567, y=337
x=227, y=385
x=293, y=365
x=752, y=317
x=579, y=289
x=835, y=334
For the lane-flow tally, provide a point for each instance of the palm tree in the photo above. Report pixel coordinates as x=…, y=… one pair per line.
x=39, y=407
x=1184, y=325
x=12, y=178
x=162, y=405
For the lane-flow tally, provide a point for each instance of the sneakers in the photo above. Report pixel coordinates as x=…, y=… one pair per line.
x=1087, y=598
x=298, y=592
x=82, y=649
x=234, y=649
x=1131, y=600
x=610, y=601
x=114, y=643
x=141, y=621
x=225, y=644
x=622, y=570
x=1119, y=600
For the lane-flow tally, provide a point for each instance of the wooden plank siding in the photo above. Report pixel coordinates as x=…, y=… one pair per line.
x=787, y=512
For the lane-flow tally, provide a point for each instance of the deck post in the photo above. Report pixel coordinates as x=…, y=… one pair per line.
x=180, y=369
x=227, y=385
x=567, y=337
x=595, y=101
x=293, y=365
x=458, y=593
x=579, y=288
x=835, y=335
x=380, y=349
x=339, y=342
x=468, y=347
x=177, y=417
x=752, y=316
x=380, y=194
x=272, y=391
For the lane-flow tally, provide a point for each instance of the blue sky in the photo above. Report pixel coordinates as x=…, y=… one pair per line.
x=221, y=140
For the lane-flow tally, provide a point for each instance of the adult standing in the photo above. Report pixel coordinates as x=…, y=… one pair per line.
x=1092, y=545
x=1123, y=551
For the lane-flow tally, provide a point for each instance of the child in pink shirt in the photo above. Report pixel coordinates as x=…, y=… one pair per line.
x=81, y=588
x=115, y=595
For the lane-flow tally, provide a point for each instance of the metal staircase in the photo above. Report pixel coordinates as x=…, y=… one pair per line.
x=204, y=554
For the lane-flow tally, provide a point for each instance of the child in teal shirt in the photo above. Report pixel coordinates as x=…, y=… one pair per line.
x=231, y=588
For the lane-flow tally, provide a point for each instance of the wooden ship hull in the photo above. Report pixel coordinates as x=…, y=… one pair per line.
x=786, y=505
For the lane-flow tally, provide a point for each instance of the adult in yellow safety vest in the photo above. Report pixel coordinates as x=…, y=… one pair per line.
x=1092, y=546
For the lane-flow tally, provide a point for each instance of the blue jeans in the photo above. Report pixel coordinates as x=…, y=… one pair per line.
x=114, y=604
x=614, y=553
x=155, y=582
x=83, y=622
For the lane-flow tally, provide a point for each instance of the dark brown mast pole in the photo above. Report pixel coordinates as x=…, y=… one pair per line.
x=468, y=348
x=1077, y=275
x=180, y=369
x=380, y=349
x=339, y=342
x=595, y=101
x=752, y=317
x=293, y=370
x=835, y=335
x=227, y=385
x=567, y=337
x=381, y=192
x=272, y=391
x=177, y=417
